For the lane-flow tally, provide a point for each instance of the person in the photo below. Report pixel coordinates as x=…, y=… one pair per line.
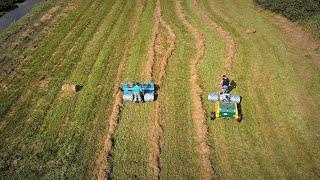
x=136, y=92
x=225, y=83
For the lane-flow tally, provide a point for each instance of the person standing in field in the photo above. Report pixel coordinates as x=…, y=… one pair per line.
x=137, y=92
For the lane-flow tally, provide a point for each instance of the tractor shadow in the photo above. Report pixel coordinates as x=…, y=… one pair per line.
x=233, y=85
x=156, y=89
x=240, y=112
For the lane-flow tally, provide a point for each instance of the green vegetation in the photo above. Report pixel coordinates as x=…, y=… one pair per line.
x=179, y=154
x=312, y=25
x=131, y=135
x=6, y=5
x=294, y=10
x=50, y=134
x=275, y=138
x=306, y=12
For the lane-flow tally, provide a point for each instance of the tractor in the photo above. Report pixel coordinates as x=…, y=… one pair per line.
x=146, y=92
x=226, y=105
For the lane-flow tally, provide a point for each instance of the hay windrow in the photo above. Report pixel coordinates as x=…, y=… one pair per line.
x=198, y=112
x=103, y=166
x=156, y=124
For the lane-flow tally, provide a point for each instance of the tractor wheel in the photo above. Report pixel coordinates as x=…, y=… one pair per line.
x=212, y=116
x=239, y=118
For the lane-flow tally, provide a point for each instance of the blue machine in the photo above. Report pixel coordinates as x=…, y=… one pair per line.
x=147, y=94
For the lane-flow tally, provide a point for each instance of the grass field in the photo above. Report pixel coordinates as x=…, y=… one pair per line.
x=184, y=47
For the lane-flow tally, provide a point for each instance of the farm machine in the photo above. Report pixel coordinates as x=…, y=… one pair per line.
x=138, y=92
x=226, y=105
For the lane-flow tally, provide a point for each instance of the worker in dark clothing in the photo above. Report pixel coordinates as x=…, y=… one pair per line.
x=225, y=84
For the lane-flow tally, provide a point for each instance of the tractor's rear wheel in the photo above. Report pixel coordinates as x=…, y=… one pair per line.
x=212, y=115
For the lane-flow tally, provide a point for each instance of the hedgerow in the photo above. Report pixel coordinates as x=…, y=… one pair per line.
x=6, y=5
x=305, y=12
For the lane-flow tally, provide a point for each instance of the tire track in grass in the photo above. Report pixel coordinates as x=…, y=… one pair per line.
x=228, y=63
x=103, y=164
x=156, y=125
x=198, y=112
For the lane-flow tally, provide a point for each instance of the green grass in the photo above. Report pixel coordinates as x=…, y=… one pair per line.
x=131, y=137
x=312, y=25
x=306, y=13
x=180, y=158
x=48, y=135
x=266, y=143
x=32, y=120
x=44, y=58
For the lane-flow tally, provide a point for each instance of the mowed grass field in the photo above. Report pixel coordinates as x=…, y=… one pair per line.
x=180, y=45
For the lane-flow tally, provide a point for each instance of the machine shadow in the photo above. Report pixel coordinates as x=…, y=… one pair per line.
x=240, y=112
x=156, y=89
x=233, y=85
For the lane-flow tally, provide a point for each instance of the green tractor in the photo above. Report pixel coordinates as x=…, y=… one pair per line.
x=226, y=105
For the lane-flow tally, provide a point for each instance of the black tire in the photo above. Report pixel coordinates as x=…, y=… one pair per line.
x=213, y=116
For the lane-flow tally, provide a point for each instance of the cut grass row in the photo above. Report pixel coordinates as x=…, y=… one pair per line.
x=103, y=165
x=91, y=28
x=165, y=45
x=85, y=117
x=74, y=116
x=130, y=154
x=33, y=16
x=276, y=138
x=53, y=75
x=45, y=57
x=179, y=157
x=45, y=134
x=211, y=65
x=198, y=114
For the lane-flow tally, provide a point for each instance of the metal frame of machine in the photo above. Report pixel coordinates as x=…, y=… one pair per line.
x=148, y=91
x=226, y=106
